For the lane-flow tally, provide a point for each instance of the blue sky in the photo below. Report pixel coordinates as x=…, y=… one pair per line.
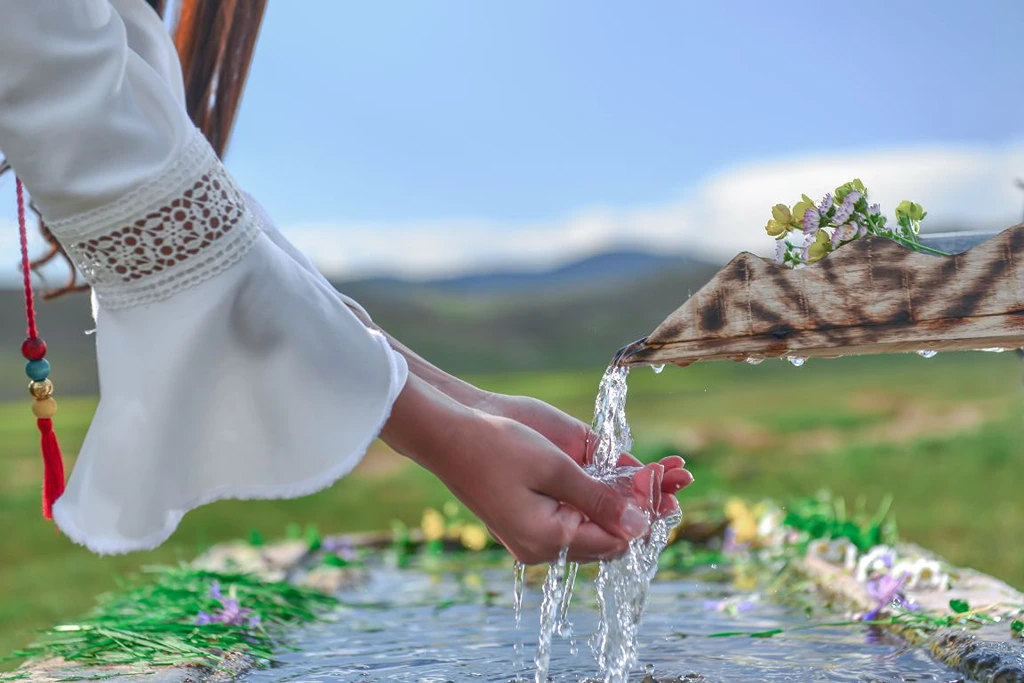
x=432, y=137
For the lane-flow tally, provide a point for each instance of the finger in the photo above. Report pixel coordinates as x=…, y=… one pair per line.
x=592, y=543
x=627, y=460
x=599, y=501
x=669, y=505
x=675, y=480
x=647, y=486
x=672, y=462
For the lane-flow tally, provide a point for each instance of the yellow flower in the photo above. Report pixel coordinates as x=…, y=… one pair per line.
x=849, y=187
x=474, y=537
x=781, y=214
x=451, y=509
x=776, y=229
x=800, y=207
x=819, y=248
x=742, y=521
x=911, y=210
x=432, y=525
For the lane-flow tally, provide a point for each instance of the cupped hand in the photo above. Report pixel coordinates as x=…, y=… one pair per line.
x=535, y=497
x=576, y=439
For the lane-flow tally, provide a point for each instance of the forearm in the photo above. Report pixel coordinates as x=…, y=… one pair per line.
x=453, y=387
x=432, y=429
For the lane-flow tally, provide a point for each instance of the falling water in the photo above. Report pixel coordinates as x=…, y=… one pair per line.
x=658, y=369
x=927, y=353
x=622, y=584
x=550, y=613
x=517, y=600
x=796, y=361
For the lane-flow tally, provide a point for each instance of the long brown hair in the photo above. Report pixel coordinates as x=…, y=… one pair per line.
x=215, y=41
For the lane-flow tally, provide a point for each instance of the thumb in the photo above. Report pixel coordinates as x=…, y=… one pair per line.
x=610, y=505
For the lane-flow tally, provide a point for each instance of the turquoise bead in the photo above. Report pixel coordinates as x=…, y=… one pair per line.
x=38, y=370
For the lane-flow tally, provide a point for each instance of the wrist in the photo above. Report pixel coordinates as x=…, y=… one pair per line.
x=429, y=427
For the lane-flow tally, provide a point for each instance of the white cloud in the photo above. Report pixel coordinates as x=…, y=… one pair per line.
x=961, y=187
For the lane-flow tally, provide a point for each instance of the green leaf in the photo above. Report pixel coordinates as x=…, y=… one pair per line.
x=335, y=561
x=767, y=634
x=1016, y=626
x=255, y=538
x=959, y=606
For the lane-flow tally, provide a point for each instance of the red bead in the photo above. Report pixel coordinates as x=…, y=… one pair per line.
x=33, y=348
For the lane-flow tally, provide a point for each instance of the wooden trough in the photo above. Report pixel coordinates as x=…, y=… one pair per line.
x=871, y=296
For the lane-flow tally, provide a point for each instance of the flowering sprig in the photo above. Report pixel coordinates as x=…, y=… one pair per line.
x=229, y=612
x=809, y=231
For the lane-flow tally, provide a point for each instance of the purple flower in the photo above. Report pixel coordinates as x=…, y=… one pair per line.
x=811, y=221
x=874, y=210
x=729, y=605
x=845, y=210
x=887, y=592
x=340, y=546
x=826, y=204
x=230, y=612
x=780, y=252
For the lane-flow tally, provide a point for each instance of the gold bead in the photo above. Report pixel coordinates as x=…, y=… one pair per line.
x=44, y=408
x=41, y=390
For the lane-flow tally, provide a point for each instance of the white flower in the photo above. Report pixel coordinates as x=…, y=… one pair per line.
x=769, y=523
x=924, y=575
x=838, y=551
x=850, y=559
x=878, y=560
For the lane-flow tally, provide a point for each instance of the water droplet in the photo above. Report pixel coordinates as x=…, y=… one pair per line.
x=658, y=368
x=994, y=350
x=796, y=361
x=755, y=360
x=927, y=353
x=714, y=566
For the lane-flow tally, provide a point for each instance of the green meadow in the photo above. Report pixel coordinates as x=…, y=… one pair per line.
x=944, y=436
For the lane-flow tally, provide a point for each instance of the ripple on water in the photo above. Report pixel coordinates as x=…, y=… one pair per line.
x=400, y=636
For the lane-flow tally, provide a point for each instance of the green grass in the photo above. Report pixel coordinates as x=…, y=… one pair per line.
x=945, y=436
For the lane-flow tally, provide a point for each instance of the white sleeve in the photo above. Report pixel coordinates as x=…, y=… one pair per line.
x=83, y=119
x=226, y=368
x=150, y=40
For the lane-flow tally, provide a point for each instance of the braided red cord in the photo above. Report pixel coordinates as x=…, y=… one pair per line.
x=26, y=268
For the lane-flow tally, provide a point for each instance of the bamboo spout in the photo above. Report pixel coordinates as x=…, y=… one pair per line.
x=871, y=296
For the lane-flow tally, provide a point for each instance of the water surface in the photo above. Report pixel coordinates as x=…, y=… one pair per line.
x=413, y=627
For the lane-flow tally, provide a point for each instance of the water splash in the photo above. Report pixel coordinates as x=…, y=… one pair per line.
x=622, y=590
x=550, y=613
x=796, y=361
x=658, y=369
x=927, y=353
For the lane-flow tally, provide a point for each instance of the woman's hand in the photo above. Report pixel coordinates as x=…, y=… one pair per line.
x=534, y=497
x=575, y=438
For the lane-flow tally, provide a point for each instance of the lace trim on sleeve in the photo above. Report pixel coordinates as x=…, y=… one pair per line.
x=168, y=235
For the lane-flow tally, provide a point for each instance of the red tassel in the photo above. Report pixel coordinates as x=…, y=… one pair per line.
x=53, y=466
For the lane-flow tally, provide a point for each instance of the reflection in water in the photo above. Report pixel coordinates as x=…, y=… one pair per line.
x=408, y=631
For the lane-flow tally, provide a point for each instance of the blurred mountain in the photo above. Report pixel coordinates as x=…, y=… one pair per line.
x=573, y=316
x=603, y=268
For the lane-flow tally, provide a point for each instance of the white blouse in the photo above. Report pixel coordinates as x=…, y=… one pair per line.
x=228, y=367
